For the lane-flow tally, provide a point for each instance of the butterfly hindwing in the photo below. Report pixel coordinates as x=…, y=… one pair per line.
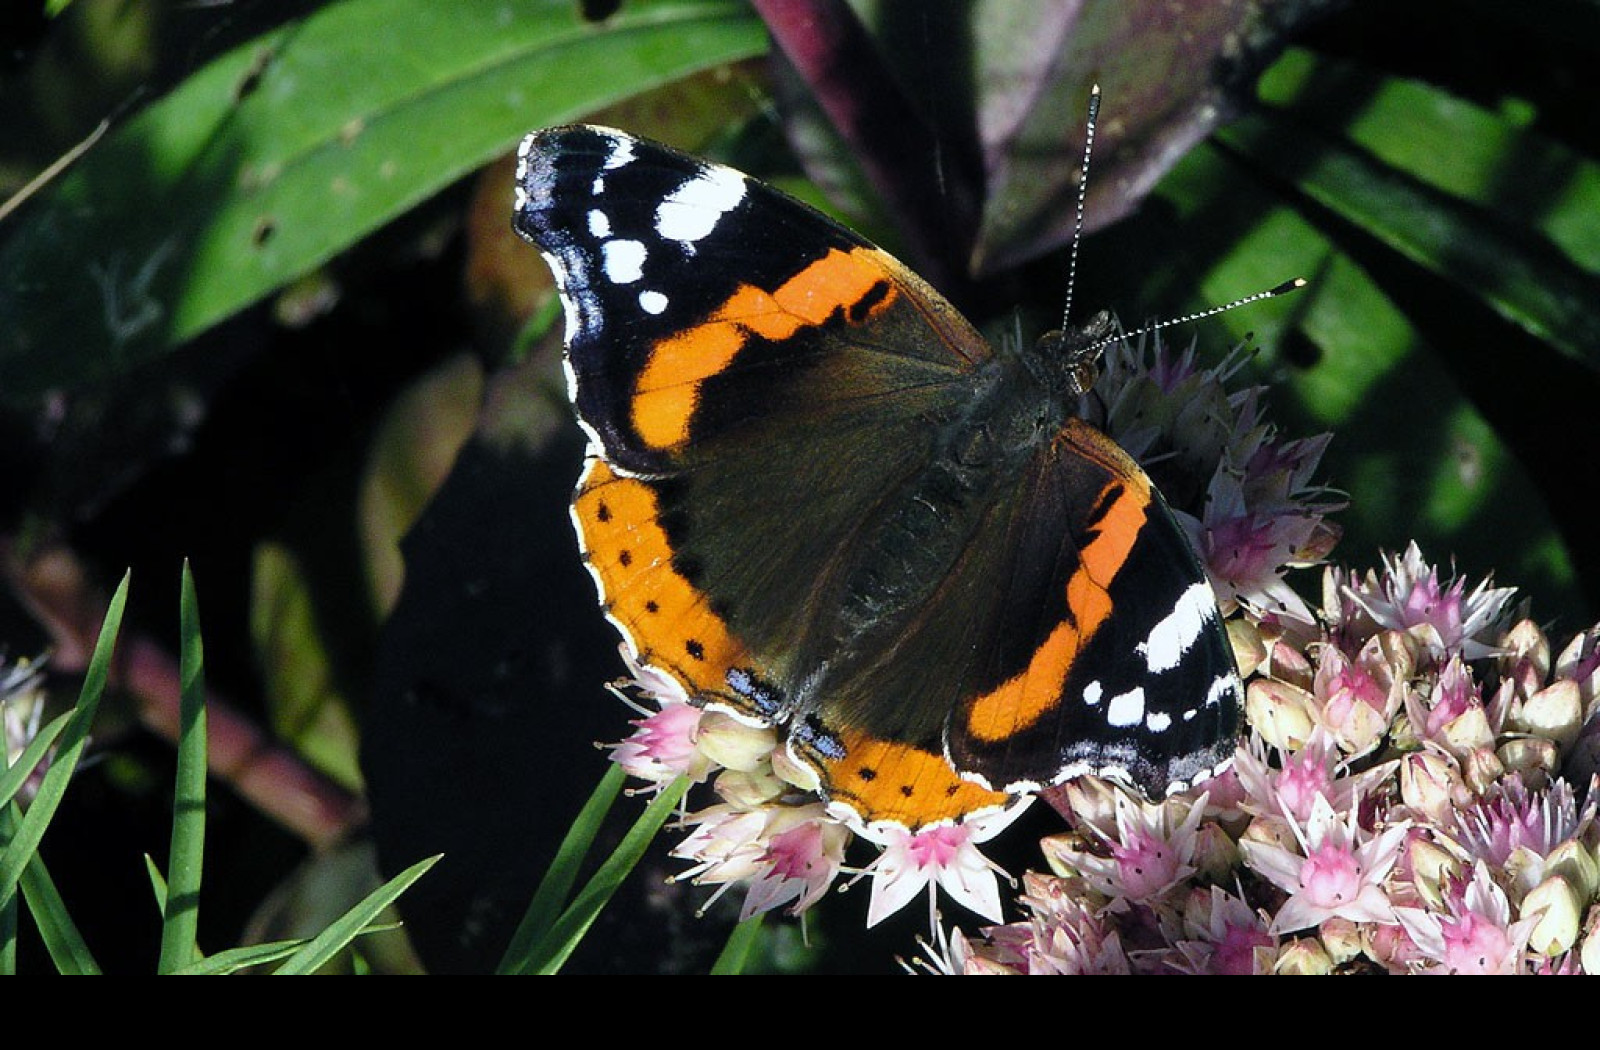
x=1121, y=668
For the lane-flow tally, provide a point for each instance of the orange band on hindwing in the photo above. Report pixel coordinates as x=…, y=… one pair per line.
x=884, y=780
x=668, y=623
x=668, y=389
x=1035, y=692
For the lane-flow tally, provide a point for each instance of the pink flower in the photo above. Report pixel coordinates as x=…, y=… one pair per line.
x=799, y=864
x=1225, y=935
x=1515, y=830
x=1445, y=618
x=781, y=854
x=1069, y=936
x=1475, y=936
x=943, y=856
x=1338, y=873
x=662, y=745
x=1352, y=704
x=726, y=844
x=1292, y=783
x=1148, y=853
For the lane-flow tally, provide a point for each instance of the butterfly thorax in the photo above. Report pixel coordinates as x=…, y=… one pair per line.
x=1021, y=402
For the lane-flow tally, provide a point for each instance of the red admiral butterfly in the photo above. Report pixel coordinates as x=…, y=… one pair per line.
x=819, y=500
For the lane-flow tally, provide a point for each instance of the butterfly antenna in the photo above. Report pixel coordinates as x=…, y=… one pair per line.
x=1271, y=293
x=1083, y=193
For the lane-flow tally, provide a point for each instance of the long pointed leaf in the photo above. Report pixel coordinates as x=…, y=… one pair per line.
x=325, y=945
x=551, y=895
x=181, y=913
x=158, y=883
x=735, y=955
x=17, y=774
x=67, y=948
x=285, y=151
x=1530, y=284
x=19, y=852
x=232, y=960
x=552, y=953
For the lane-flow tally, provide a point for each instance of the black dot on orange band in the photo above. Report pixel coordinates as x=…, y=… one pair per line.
x=603, y=512
x=694, y=649
x=867, y=773
x=906, y=790
x=652, y=606
x=625, y=557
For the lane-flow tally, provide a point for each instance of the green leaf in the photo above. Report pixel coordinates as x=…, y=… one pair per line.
x=181, y=909
x=232, y=960
x=324, y=946
x=742, y=942
x=1529, y=283
x=1494, y=159
x=21, y=849
x=60, y=935
x=158, y=882
x=306, y=706
x=552, y=953
x=551, y=895
x=1436, y=471
x=17, y=774
x=281, y=153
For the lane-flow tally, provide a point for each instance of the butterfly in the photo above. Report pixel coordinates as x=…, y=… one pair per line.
x=817, y=499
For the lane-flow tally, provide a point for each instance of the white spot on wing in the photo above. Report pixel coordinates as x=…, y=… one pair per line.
x=652, y=302
x=621, y=149
x=1175, y=635
x=599, y=224
x=1224, y=686
x=623, y=260
x=693, y=210
x=1126, y=709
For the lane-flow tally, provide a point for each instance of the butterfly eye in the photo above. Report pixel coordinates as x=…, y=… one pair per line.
x=1082, y=375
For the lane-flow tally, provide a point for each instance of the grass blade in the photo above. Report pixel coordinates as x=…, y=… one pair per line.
x=554, y=888
x=66, y=945
x=735, y=955
x=552, y=953
x=20, y=851
x=325, y=945
x=12, y=779
x=181, y=910
x=233, y=960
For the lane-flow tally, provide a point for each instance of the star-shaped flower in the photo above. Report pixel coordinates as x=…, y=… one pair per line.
x=1339, y=871
x=943, y=856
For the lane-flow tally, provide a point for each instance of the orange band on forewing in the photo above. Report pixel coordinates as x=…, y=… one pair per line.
x=882, y=780
x=668, y=621
x=1035, y=691
x=668, y=389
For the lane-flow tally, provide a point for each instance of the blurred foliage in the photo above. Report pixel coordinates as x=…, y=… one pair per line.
x=272, y=320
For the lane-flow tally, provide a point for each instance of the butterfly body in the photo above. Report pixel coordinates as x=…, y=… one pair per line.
x=817, y=499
